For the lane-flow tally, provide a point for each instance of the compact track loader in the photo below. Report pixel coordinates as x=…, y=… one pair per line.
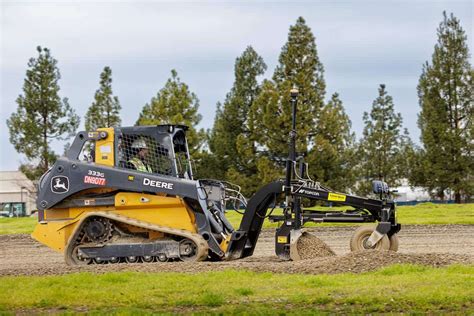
x=128, y=195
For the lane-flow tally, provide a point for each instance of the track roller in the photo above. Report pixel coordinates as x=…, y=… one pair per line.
x=131, y=259
x=148, y=259
x=114, y=260
x=77, y=259
x=162, y=257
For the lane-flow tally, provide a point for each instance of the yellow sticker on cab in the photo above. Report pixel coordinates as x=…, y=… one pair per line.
x=282, y=239
x=336, y=197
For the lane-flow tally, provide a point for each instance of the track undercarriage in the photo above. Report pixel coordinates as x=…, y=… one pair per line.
x=111, y=240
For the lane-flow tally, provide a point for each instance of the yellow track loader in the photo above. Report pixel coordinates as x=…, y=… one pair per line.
x=128, y=195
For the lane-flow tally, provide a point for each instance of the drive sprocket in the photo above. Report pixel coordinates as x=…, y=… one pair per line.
x=98, y=229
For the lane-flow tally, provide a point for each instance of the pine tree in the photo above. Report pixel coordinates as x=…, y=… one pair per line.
x=445, y=91
x=175, y=104
x=332, y=159
x=231, y=120
x=104, y=111
x=380, y=149
x=42, y=116
x=270, y=116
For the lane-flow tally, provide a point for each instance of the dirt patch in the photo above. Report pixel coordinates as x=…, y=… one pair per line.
x=353, y=262
x=310, y=247
x=427, y=245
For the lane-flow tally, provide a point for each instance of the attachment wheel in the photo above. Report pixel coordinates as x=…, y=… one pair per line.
x=361, y=236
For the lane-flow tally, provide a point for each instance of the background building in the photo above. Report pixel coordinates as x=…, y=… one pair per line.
x=408, y=195
x=17, y=194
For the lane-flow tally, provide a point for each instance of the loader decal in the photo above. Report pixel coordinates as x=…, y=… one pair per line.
x=60, y=184
x=95, y=180
x=309, y=192
x=157, y=184
x=336, y=197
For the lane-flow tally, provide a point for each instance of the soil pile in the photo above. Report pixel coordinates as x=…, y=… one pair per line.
x=309, y=247
x=370, y=260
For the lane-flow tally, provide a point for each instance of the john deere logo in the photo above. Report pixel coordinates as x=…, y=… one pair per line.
x=60, y=184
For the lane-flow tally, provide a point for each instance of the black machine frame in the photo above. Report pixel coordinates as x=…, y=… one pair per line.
x=295, y=187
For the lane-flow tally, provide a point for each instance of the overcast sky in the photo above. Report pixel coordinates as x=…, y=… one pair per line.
x=360, y=43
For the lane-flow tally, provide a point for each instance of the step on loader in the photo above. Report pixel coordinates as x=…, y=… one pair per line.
x=128, y=195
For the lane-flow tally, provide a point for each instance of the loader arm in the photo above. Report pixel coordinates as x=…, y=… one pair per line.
x=244, y=240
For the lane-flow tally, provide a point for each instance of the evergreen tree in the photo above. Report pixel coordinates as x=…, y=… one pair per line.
x=41, y=116
x=231, y=121
x=381, y=147
x=445, y=93
x=415, y=164
x=270, y=116
x=175, y=104
x=104, y=111
x=332, y=159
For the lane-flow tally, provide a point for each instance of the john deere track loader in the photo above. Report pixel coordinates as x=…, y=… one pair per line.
x=128, y=195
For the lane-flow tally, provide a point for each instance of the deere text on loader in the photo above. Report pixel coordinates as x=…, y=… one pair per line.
x=128, y=195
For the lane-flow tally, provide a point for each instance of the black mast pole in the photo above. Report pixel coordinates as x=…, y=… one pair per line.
x=292, y=202
x=292, y=148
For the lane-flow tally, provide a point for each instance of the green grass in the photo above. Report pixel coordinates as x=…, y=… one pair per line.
x=19, y=225
x=424, y=213
x=395, y=289
x=429, y=213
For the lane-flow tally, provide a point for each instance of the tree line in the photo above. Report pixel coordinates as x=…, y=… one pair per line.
x=248, y=143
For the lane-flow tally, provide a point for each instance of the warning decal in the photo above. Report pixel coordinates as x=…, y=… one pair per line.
x=336, y=197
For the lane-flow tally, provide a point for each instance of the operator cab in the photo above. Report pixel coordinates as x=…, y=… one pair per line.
x=161, y=149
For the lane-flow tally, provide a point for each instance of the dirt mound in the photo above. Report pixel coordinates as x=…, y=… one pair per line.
x=364, y=261
x=353, y=262
x=309, y=247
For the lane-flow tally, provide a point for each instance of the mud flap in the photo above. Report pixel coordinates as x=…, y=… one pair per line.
x=381, y=230
x=286, y=240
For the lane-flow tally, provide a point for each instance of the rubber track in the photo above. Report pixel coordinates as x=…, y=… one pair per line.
x=201, y=244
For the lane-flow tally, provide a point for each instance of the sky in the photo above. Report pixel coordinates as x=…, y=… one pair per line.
x=360, y=43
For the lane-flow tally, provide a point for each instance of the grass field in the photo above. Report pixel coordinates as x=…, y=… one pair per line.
x=20, y=225
x=425, y=213
x=394, y=289
x=399, y=288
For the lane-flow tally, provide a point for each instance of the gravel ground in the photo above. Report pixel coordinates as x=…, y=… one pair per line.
x=431, y=245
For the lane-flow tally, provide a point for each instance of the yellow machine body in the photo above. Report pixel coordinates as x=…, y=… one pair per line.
x=60, y=224
x=96, y=205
